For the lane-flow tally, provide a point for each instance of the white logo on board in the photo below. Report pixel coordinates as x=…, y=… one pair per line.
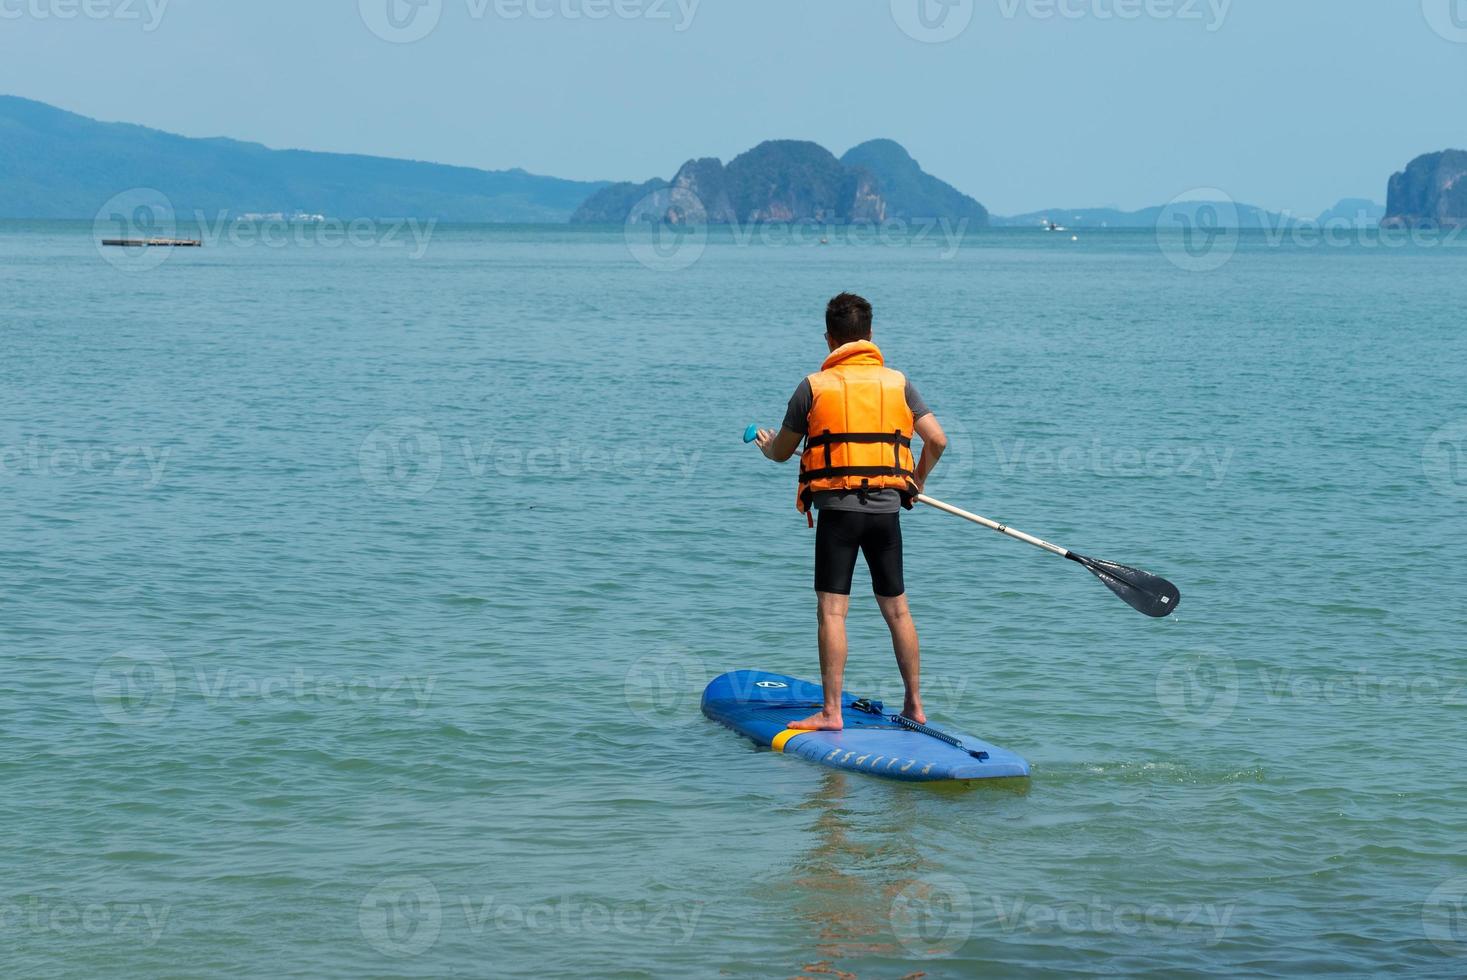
x=768, y=684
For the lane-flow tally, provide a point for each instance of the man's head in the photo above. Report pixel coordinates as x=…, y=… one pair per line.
x=847, y=319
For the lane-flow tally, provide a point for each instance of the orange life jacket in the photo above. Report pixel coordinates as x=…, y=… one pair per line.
x=859, y=434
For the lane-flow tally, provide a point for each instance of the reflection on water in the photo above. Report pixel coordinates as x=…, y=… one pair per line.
x=865, y=888
x=843, y=882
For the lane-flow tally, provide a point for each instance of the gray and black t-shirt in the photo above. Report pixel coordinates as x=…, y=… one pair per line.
x=886, y=501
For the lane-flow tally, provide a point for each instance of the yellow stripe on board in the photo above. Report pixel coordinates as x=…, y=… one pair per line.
x=783, y=737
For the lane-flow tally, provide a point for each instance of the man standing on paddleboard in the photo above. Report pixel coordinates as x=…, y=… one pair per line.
x=857, y=417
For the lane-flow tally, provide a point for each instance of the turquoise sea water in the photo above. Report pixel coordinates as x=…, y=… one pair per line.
x=355, y=602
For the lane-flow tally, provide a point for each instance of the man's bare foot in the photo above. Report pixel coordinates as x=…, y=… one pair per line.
x=823, y=722
x=913, y=710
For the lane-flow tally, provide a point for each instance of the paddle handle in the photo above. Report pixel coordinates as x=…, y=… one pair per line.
x=1004, y=529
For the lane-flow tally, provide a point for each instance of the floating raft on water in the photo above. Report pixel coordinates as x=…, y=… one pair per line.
x=153, y=242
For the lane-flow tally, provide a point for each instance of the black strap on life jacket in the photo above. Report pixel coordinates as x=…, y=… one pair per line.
x=827, y=439
x=809, y=476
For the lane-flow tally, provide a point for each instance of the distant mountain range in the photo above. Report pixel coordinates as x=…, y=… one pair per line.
x=55, y=164
x=1351, y=212
x=789, y=181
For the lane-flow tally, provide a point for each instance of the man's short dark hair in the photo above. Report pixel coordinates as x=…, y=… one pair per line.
x=848, y=318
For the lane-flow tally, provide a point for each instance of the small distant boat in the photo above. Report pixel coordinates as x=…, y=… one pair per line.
x=1051, y=226
x=153, y=242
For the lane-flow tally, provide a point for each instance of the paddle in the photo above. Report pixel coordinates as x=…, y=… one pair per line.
x=1149, y=594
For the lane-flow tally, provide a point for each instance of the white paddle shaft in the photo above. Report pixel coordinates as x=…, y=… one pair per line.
x=993, y=526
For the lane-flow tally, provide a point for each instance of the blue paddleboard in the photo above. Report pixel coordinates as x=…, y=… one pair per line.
x=759, y=705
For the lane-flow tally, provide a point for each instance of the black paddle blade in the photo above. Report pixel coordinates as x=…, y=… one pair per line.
x=1146, y=593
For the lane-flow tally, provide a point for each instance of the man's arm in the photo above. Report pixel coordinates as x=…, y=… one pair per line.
x=934, y=443
x=779, y=447
x=784, y=445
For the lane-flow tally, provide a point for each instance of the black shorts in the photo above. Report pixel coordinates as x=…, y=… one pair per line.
x=841, y=533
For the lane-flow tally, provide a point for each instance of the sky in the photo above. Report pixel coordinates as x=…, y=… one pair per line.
x=1024, y=104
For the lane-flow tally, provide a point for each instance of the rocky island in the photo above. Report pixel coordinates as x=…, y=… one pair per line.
x=1430, y=193
x=786, y=181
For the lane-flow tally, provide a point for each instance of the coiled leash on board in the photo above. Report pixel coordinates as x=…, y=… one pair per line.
x=876, y=708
